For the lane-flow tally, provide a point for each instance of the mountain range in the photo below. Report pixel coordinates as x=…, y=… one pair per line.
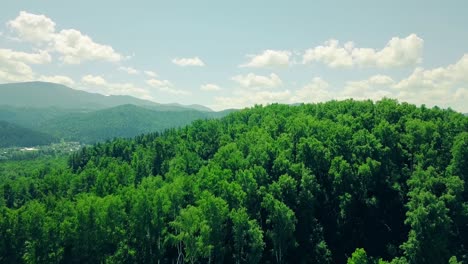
x=59, y=112
x=44, y=94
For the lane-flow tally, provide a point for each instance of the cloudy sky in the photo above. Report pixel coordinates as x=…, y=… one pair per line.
x=226, y=54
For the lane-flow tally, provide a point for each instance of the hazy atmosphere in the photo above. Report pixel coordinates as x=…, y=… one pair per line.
x=236, y=54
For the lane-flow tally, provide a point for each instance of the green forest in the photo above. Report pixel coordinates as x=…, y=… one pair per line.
x=14, y=135
x=338, y=182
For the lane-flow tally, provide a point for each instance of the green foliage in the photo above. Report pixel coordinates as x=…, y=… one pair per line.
x=358, y=257
x=336, y=182
x=281, y=223
x=247, y=238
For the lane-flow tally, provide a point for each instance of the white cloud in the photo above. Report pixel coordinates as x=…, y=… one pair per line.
x=13, y=71
x=269, y=58
x=318, y=90
x=151, y=74
x=330, y=54
x=195, y=61
x=57, y=79
x=33, y=28
x=95, y=83
x=451, y=75
x=158, y=83
x=73, y=46
x=41, y=57
x=443, y=86
x=371, y=82
x=14, y=65
x=398, y=52
x=93, y=80
x=209, y=87
x=166, y=87
x=244, y=98
x=129, y=70
x=170, y=90
x=315, y=91
x=375, y=88
x=258, y=81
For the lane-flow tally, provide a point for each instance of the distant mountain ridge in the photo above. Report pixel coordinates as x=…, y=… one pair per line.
x=60, y=112
x=120, y=121
x=44, y=94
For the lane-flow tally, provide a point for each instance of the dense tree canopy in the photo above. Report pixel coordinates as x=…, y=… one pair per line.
x=337, y=182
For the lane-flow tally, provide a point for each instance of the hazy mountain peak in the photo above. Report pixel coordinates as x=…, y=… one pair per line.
x=45, y=94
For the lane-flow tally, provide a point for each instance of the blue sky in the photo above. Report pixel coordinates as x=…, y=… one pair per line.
x=235, y=54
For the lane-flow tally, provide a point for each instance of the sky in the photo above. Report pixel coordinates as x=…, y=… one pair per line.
x=234, y=54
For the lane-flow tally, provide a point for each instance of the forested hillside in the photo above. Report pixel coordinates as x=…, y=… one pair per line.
x=77, y=115
x=120, y=121
x=31, y=117
x=91, y=126
x=337, y=182
x=13, y=135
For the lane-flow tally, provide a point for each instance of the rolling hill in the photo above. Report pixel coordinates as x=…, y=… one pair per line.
x=121, y=121
x=14, y=135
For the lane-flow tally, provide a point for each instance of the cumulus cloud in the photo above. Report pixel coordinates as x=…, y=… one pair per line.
x=315, y=91
x=258, y=81
x=73, y=46
x=375, y=88
x=209, y=87
x=76, y=47
x=158, y=83
x=33, y=28
x=14, y=65
x=422, y=79
x=129, y=70
x=65, y=80
x=195, y=61
x=269, y=58
x=244, y=98
x=41, y=57
x=171, y=90
x=166, y=87
x=398, y=52
x=443, y=86
x=93, y=80
x=96, y=83
x=151, y=74
x=15, y=71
